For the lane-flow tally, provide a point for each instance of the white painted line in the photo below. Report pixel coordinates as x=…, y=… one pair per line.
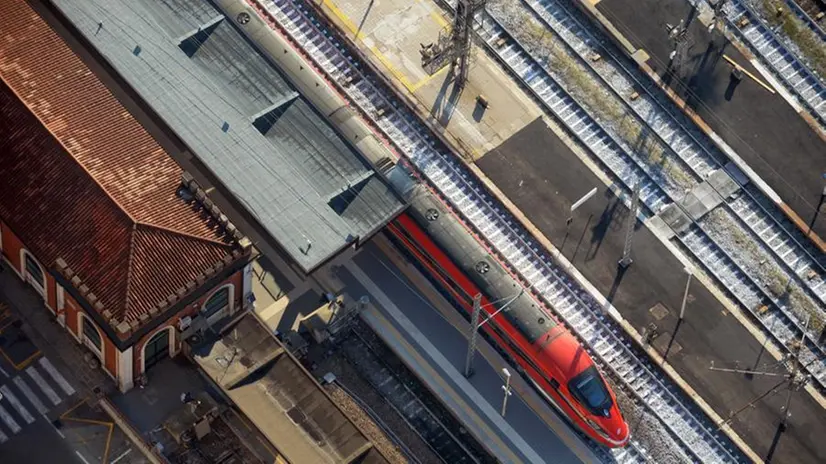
x=3, y=437
x=43, y=385
x=10, y=422
x=18, y=406
x=81, y=457
x=4, y=372
x=64, y=385
x=121, y=456
x=29, y=394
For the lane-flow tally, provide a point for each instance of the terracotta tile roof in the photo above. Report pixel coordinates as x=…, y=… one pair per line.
x=84, y=181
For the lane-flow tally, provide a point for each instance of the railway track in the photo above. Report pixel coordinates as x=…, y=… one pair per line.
x=685, y=147
x=812, y=8
x=796, y=78
x=520, y=253
x=419, y=417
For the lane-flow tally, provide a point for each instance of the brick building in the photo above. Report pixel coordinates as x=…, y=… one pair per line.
x=124, y=247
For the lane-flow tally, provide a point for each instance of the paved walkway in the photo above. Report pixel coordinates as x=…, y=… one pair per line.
x=48, y=411
x=391, y=32
x=543, y=177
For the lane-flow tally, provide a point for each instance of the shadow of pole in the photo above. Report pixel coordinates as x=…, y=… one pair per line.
x=364, y=19
x=621, y=270
x=671, y=341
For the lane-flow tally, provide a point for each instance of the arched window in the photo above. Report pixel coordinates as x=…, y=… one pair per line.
x=91, y=335
x=156, y=348
x=33, y=272
x=218, y=301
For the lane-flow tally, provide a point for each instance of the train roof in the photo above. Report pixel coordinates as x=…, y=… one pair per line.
x=497, y=285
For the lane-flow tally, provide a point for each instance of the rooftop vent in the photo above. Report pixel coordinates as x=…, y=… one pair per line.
x=185, y=194
x=243, y=18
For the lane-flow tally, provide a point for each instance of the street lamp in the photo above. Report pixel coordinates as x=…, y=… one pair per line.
x=579, y=203
x=685, y=295
x=507, y=389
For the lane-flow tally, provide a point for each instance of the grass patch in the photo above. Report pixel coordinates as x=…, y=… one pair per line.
x=775, y=280
x=798, y=32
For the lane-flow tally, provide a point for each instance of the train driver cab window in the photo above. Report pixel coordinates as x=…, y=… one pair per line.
x=590, y=391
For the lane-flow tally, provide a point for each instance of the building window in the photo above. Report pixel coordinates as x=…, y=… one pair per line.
x=33, y=273
x=217, y=302
x=156, y=349
x=91, y=335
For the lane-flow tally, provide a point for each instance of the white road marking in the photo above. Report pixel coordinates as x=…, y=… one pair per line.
x=3, y=437
x=33, y=399
x=10, y=422
x=43, y=385
x=121, y=456
x=55, y=428
x=64, y=385
x=81, y=457
x=4, y=373
x=11, y=398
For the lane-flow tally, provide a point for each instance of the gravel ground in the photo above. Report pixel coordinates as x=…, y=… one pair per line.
x=659, y=445
x=758, y=262
x=347, y=376
x=601, y=104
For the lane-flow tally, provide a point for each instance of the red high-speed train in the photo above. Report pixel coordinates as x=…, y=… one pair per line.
x=542, y=347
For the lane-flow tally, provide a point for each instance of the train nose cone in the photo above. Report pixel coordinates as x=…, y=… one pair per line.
x=619, y=431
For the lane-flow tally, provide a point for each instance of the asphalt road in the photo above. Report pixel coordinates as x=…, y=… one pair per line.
x=44, y=417
x=426, y=321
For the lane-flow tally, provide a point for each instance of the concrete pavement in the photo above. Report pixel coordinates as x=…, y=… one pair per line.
x=765, y=131
x=543, y=177
x=432, y=343
x=44, y=414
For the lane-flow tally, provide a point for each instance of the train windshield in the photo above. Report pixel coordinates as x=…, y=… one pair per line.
x=590, y=391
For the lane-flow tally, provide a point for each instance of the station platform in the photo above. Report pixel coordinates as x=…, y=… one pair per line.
x=782, y=148
x=391, y=33
x=542, y=177
x=429, y=336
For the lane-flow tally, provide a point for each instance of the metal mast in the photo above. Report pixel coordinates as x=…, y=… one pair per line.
x=474, y=331
x=626, y=260
x=682, y=42
x=461, y=37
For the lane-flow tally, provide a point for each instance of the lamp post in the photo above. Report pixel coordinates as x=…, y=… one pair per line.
x=685, y=295
x=579, y=203
x=507, y=389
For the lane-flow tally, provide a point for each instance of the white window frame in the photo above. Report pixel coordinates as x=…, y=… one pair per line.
x=227, y=310
x=101, y=353
x=42, y=291
x=171, y=347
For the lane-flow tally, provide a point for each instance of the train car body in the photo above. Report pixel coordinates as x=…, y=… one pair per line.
x=550, y=355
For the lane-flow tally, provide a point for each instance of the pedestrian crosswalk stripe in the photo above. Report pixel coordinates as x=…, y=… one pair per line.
x=64, y=385
x=3, y=437
x=10, y=422
x=43, y=385
x=24, y=413
x=33, y=399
